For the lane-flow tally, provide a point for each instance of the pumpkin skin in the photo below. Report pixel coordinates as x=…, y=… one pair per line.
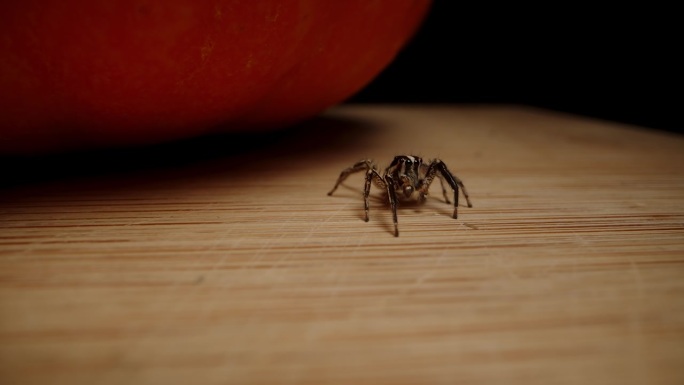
x=84, y=73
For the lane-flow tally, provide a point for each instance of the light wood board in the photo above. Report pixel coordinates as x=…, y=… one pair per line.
x=224, y=261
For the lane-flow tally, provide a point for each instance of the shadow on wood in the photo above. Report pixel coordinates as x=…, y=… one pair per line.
x=233, y=155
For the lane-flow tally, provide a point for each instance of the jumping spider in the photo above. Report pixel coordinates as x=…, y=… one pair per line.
x=405, y=176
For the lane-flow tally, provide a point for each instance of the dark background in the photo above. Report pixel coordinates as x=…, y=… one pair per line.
x=619, y=63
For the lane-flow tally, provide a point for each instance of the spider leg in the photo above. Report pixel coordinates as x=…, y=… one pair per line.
x=422, y=193
x=453, y=181
x=366, y=164
x=392, y=195
x=425, y=169
x=444, y=191
x=371, y=175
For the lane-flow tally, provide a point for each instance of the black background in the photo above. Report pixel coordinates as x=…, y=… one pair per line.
x=620, y=63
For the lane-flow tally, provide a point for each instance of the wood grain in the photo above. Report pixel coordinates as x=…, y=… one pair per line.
x=223, y=261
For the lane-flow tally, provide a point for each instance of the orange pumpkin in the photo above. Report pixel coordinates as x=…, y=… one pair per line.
x=84, y=73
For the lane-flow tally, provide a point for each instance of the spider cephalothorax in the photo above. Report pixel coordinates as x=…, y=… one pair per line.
x=406, y=176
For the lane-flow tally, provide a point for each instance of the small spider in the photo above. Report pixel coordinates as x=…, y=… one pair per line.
x=405, y=176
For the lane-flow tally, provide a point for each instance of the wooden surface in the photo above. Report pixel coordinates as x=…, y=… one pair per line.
x=224, y=261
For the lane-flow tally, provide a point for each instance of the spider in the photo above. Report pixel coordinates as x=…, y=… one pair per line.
x=405, y=176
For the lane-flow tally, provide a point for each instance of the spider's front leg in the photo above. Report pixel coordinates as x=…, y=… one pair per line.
x=362, y=165
x=444, y=191
x=371, y=174
x=392, y=195
x=453, y=181
x=423, y=193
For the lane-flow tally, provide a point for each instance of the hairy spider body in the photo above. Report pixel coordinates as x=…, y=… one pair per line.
x=405, y=178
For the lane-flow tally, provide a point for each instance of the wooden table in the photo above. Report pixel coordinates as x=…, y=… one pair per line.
x=223, y=261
